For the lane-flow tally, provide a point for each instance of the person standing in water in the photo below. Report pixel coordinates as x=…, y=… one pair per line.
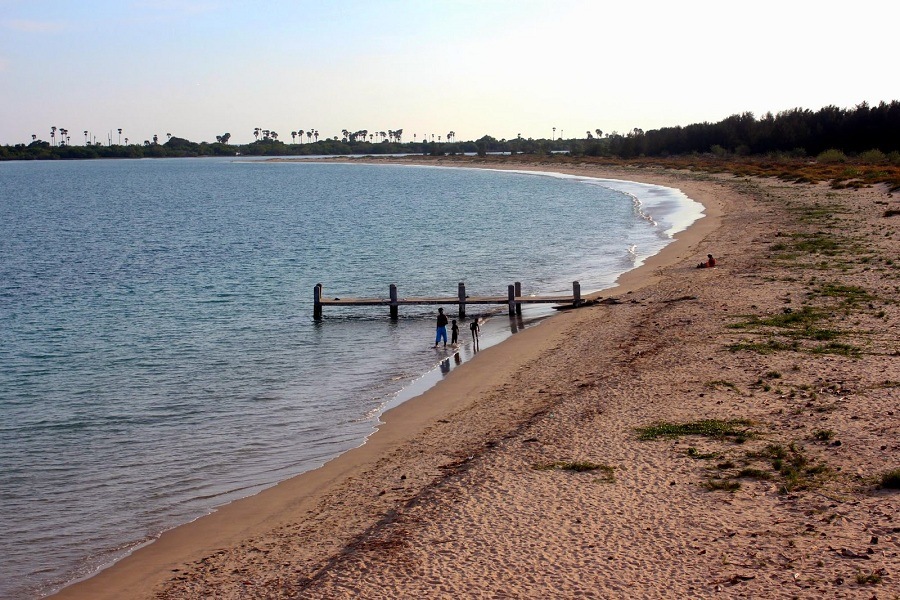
x=475, y=328
x=454, y=332
x=441, y=333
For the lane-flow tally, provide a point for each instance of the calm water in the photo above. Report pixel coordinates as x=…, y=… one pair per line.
x=157, y=352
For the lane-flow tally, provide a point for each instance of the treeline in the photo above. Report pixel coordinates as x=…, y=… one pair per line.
x=797, y=132
x=177, y=147
x=792, y=133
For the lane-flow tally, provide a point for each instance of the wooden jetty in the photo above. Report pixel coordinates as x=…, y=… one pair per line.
x=514, y=299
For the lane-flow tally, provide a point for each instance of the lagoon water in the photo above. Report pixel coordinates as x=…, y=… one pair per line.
x=158, y=356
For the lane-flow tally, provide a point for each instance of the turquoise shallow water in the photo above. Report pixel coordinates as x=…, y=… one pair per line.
x=158, y=355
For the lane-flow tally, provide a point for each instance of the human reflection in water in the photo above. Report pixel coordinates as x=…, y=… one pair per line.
x=445, y=365
x=457, y=359
x=475, y=328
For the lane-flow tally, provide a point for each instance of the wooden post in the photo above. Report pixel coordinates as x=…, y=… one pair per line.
x=393, y=293
x=317, y=301
x=576, y=293
x=511, y=291
x=462, y=300
x=518, y=295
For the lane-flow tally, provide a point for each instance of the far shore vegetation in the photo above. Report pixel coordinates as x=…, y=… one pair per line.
x=846, y=147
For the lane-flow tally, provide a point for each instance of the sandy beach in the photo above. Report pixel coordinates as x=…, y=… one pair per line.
x=698, y=433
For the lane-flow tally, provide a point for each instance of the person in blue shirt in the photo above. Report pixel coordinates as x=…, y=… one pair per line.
x=441, y=333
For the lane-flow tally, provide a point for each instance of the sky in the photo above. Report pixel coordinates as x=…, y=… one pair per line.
x=535, y=68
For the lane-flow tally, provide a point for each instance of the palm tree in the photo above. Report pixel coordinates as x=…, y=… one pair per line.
x=398, y=133
x=293, y=137
x=155, y=139
x=120, y=136
x=309, y=135
x=168, y=136
x=126, y=141
x=316, y=134
x=85, y=137
x=599, y=133
x=256, y=133
x=554, y=134
x=53, y=135
x=33, y=137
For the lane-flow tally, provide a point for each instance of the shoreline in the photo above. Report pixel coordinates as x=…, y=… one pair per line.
x=445, y=496
x=228, y=522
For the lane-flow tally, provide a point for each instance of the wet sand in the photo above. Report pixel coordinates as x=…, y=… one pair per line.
x=464, y=491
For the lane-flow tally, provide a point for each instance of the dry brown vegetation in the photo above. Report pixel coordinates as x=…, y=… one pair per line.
x=852, y=173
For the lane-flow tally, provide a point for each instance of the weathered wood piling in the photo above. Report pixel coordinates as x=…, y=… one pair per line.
x=513, y=300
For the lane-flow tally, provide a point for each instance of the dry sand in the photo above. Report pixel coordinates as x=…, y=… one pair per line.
x=445, y=501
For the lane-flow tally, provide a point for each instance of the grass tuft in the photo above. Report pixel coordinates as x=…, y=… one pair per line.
x=697, y=455
x=607, y=472
x=891, y=480
x=823, y=435
x=872, y=578
x=737, y=429
x=725, y=485
x=751, y=473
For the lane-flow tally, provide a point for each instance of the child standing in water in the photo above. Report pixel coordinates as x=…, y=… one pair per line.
x=454, y=332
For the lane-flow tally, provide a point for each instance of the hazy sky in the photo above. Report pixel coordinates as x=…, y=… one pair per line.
x=200, y=68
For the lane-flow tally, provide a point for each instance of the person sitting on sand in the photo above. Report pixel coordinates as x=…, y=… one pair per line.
x=710, y=262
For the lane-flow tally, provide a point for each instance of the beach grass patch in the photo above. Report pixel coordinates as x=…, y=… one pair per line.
x=848, y=294
x=789, y=319
x=697, y=455
x=890, y=480
x=794, y=468
x=872, y=578
x=823, y=435
x=607, y=472
x=817, y=243
x=837, y=348
x=737, y=430
x=721, y=384
x=767, y=347
x=752, y=473
x=724, y=485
